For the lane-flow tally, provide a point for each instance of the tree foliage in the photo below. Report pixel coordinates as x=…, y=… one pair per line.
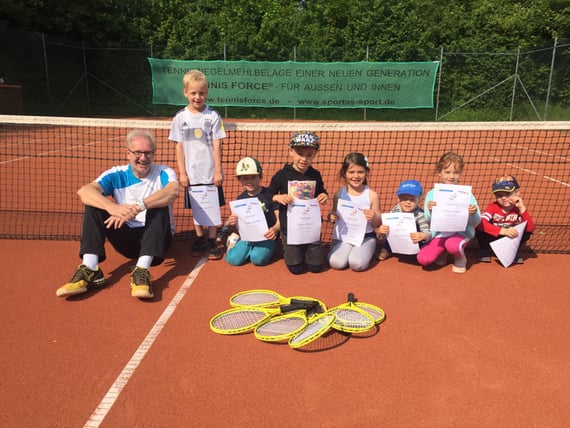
x=270, y=29
x=320, y=30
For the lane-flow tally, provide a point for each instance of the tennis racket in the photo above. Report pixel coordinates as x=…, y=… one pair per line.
x=282, y=327
x=264, y=298
x=350, y=318
x=315, y=328
x=244, y=319
x=373, y=310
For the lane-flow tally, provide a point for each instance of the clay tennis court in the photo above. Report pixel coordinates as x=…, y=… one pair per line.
x=486, y=348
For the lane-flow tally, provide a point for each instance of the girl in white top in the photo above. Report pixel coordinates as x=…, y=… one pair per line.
x=356, y=214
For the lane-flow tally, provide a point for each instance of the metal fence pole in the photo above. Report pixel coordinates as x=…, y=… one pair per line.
x=294, y=60
x=550, y=78
x=86, y=78
x=225, y=59
x=438, y=83
x=367, y=56
x=515, y=83
x=48, y=87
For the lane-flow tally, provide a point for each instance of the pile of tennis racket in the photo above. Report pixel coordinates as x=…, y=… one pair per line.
x=297, y=320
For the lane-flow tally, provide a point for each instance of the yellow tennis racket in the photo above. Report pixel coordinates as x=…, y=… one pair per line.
x=315, y=328
x=350, y=318
x=264, y=298
x=374, y=311
x=244, y=319
x=282, y=327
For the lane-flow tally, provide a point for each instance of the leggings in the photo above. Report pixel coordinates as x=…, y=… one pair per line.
x=453, y=244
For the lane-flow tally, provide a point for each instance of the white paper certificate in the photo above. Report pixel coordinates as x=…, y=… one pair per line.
x=451, y=212
x=506, y=248
x=205, y=205
x=351, y=226
x=251, y=220
x=401, y=226
x=303, y=222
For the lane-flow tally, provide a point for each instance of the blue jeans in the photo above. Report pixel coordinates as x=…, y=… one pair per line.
x=260, y=253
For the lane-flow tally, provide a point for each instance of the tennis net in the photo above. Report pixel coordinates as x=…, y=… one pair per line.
x=44, y=160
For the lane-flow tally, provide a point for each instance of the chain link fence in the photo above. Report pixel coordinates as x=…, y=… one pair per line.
x=56, y=77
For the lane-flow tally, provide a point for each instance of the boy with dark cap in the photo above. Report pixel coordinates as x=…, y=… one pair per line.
x=500, y=216
x=308, y=184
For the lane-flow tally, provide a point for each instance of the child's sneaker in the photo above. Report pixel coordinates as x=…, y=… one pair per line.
x=223, y=233
x=232, y=241
x=484, y=256
x=213, y=251
x=459, y=264
x=199, y=247
x=384, y=254
x=141, y=285
x=82, y=280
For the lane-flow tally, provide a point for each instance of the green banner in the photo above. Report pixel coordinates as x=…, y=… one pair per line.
x=301, y=84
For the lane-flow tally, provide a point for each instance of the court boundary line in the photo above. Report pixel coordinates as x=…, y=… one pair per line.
x=529, y=171
x=106, y=404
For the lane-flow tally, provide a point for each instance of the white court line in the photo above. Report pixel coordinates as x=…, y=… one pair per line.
x=113, y=393
x=546, y=177
x=540, y=152
x=55, y=151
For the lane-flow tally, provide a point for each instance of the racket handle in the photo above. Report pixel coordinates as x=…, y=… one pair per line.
x=297, y=305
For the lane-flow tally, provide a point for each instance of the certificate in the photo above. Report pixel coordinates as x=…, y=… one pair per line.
x=205, y=205
x=451, y=212
x=351, y=225
x=401, y=226
x=506, y=248
x=303, y=222
x=252, y=224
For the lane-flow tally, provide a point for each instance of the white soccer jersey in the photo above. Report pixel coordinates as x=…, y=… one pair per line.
x=196, y=131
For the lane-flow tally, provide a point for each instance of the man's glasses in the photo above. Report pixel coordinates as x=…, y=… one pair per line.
x=138, y=153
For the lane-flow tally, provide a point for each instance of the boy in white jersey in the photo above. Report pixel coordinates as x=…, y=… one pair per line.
x=198, y=131
x=137, y=220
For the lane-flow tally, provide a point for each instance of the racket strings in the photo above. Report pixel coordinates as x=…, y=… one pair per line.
x=353, y=318
x=255, y=299
x=239, y=319
x=374, y=312
x=280, y=327
x=314, y=328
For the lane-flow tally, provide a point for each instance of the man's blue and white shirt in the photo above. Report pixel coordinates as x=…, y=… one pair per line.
x=125, y=187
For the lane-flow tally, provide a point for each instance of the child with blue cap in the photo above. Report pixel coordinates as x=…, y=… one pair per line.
x=409, y=196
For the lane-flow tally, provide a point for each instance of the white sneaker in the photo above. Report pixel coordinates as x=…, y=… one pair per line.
x=459, y=264
x=232, y=240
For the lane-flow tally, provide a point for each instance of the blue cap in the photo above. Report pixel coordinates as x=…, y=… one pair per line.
x=410, y=187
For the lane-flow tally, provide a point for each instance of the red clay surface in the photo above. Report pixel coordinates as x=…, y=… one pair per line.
x=488, y=348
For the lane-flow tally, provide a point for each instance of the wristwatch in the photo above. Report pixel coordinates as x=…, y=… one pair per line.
x=140, y=205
